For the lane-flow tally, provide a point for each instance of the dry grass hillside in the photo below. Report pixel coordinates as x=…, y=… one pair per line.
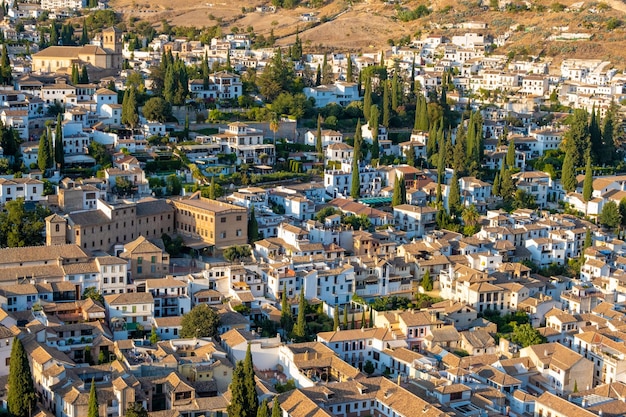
x=369, y=25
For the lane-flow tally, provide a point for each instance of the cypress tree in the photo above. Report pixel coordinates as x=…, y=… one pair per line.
x=386, y=105
x=84, y=75
x=93, y=400
x=576, y=140
x=318, y=76
x=588, y=183
x=349, y=74
x=319, y=148
x=84, y=37
x=253, y=226
x=367, y=98
x=345, y=318
x=454, y=198
x=608, y=132
x=250, y=385
x=355, y=188
x=371, y=321
x=396, y=198
x=54, y=34
x=276, y=412
x=75, y=77
x=129, y=108
x=510, y=154
x=595, y=137
x=212, y=187
x=239, y=402
x=59, y=155
x=373, y=124
x=43, y=154
x=21, y=394
x=363, y=320
x=496, y=184
x=263, y=410
x=286, y=320
x=459, y=163
x=394, y=91
x=299, y=330
x=352, y=323
x=335, y=318
x=507, y=186
x=568, y=175
x=5, y=66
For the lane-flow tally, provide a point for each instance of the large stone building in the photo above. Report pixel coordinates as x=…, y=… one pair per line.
x=203, y=223
x=63, y=58
x=113, y=224
x=215, y=224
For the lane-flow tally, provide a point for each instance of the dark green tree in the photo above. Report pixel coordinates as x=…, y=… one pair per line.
x=367, y=98
x=92, y=410
x=454, y=197
x=319, y=148
x=54, y=34
x=299, y=330
x=253, y=227
x=156, y=109
x=588, y=182
x=609, y=216
x=349, y=70
x=250, y=384
x=595, y=138
x=45, y=154
x=84, y=37
x=263, y=410
x=19, y=227
x=608, y=131
x=136, y=410
x=568, y=173
x=421, y=114
x=94, y=294
x=386, y=105
x=130, y=116
x=59, y=154
x=286, y=319
x=21, y=395
x=373, y=125
x=525, y=335
x=355, y=188
x=335, y=318
x=276, y=412
x=396, y=198
x=576, y=141
x=238, y=405
x=345, y=318
x=5, y=66
x=427, y=282
x=75, y=77
x=277, y=77
x=201, y=321
x=510, y=154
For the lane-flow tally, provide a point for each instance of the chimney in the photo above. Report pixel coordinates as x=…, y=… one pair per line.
x=399, y=379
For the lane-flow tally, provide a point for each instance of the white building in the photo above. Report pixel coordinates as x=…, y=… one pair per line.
x=414, y=220
x=328, y=137
x=341, y=93
x=29, y=189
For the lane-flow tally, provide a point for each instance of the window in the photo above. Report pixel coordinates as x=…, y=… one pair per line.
x=223, y=220
x=238, y=218
x=139, y=270
x=139, y=260
x=153, y=260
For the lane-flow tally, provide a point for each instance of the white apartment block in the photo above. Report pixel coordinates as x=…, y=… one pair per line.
x=339, y=182
x=63, y=4
x=341, y=93
x=29, y=189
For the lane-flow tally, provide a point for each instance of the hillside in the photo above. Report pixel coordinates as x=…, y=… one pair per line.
x=371, y=25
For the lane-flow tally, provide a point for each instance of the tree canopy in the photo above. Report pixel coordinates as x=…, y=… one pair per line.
x=21, y=396
x=201, y=321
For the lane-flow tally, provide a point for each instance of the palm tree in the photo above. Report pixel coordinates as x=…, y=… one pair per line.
x=274, y=126
x=470, y=216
